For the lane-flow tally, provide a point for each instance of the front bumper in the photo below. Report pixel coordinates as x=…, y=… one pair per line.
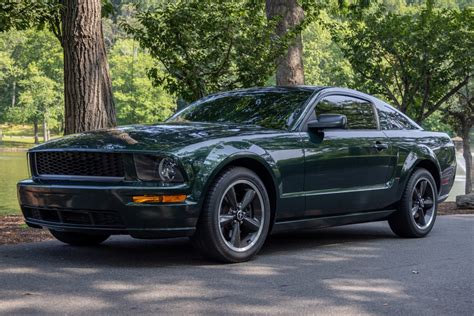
x=105, y=209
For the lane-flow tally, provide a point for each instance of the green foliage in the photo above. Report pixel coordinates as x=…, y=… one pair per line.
x=324, y=62
x=25, y=14
x=137, y=101
x=437, y=122
x=460, y=111
x=416, y=60
x=40, y=99
x=208, y=46
x=30, y=77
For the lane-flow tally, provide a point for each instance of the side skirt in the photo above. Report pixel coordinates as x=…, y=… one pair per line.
x=328, y=221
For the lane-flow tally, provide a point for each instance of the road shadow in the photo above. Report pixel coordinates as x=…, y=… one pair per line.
x=357, y=269
x=124, y=251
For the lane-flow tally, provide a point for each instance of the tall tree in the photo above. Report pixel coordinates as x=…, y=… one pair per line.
x=88, y=97
x=461, y=117
x=78, y=26
x=289, y=15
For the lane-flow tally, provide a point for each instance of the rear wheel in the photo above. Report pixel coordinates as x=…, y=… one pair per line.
x=78, y=239
x=235, y=218
x=418, y=207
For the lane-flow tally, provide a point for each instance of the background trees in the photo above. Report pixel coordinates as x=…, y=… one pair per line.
x=208, y=46
x=136, y=99
x=417, y=61
x=31, y=80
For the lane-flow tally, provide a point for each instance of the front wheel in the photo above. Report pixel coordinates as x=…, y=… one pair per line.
x=418, y=207
x=235, y=217
x=78, y=239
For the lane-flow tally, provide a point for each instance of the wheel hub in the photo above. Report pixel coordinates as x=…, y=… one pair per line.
x=421, y=202
x=240, y=215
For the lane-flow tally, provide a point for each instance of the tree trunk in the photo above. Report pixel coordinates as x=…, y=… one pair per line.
x=35, y=131
x=466, y=152
x=87, y=86
x=14, y=94
x=45, y=130
x=290, y=70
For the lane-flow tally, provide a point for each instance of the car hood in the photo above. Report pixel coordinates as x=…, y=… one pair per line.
x=163, y=137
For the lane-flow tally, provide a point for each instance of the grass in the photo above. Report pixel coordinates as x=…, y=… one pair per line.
x=14, y=142
x=19, y=136
x=19, y=130
x=24, y=132
x=9, y=211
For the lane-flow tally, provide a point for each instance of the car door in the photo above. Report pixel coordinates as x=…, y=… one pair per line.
x=346, y=170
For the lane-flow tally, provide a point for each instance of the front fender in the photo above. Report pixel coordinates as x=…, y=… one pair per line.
x=223, y=155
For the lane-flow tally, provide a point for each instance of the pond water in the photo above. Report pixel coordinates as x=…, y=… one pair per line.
x=13, y=167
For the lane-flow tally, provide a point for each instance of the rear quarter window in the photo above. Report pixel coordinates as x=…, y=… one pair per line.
x=391, y=119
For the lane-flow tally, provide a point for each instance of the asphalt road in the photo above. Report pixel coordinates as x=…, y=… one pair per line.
x=358, y=269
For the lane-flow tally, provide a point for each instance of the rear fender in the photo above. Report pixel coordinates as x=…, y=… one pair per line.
x=412, y=161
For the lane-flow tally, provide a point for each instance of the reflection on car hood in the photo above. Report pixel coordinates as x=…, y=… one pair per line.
x=164, y=137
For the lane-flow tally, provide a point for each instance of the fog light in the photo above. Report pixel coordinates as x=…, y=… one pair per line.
x=159, y=198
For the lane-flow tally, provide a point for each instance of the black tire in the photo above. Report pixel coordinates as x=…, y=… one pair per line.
x=408, y=220
x=78, y=239
x=216, y=234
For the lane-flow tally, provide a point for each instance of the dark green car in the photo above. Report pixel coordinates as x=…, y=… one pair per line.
x=235, y=166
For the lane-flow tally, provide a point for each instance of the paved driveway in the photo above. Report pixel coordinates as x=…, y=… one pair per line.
x=359, y=269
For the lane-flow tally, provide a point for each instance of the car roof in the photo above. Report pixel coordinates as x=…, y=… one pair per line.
x=275, y=89
x=294, y=88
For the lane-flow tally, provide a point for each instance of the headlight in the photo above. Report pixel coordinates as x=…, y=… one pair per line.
x=153, y=168
x=167, y=169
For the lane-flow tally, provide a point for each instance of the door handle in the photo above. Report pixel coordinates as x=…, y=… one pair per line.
x=380, y=146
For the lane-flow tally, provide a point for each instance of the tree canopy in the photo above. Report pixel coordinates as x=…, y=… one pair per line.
x=208, y=46
x=416, y=60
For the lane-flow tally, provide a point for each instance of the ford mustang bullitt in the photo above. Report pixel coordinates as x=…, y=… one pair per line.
x=233, y=167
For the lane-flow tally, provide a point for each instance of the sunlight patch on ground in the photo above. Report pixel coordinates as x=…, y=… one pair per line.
x=31, y=302
x=364, y=290
x=256, y=270
x=116, y=286
x=174, y=290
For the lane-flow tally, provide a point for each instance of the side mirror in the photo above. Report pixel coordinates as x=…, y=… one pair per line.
x=325, y=121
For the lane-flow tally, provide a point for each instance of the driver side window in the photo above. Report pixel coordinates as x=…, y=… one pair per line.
x=360, y=113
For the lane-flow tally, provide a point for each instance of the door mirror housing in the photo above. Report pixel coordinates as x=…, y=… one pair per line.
x=326, y=121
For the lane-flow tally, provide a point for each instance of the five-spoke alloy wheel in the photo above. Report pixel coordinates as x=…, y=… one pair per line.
x=235, y=218
x=423, y=206
x=417, y=209
x=241, y=215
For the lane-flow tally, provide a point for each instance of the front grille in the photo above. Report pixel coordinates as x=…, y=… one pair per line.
x=109, y=219
x=86, y=164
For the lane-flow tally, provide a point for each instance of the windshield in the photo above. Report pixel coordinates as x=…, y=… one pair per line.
x=266, y=108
